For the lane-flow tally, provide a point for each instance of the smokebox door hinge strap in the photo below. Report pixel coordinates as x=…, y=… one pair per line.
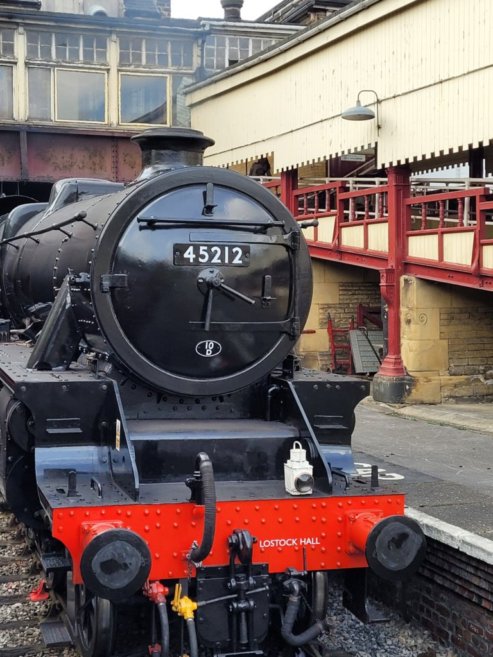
x=109, y=281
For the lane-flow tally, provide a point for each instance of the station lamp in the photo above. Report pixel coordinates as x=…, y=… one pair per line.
x=361, y=113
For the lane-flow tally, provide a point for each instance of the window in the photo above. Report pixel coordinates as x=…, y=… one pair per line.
x=139, y=51
x=39, y=90
x=66, y=47
x=223, y=51
x=80, y=96
x=143, y=98
x=6, y=98
x=6, y=43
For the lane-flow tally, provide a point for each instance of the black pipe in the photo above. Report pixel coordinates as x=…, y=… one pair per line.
x=192, y=638
x=290, y=616
x=204, y=465
x=163, y=617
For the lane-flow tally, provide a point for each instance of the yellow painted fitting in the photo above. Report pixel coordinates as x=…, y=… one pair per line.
x=183, y=606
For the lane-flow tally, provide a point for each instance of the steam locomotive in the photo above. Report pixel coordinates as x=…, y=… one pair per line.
x=159, y=439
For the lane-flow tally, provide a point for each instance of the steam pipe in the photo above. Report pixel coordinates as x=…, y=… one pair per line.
x=204, y=465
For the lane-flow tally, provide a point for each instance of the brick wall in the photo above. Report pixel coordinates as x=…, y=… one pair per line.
x=451, y=596
x=446, y=340
x=450, y=619
x=337, y=289
x=469, y=334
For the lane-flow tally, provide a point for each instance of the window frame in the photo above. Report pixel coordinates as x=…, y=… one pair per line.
x=103, y=72
x=166, y=77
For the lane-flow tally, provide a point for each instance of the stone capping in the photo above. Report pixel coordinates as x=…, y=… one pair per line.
x=471, y=544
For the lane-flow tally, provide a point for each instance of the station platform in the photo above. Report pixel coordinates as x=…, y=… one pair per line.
x=441, y=456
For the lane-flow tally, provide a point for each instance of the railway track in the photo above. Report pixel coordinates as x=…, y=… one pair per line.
x=20, y=617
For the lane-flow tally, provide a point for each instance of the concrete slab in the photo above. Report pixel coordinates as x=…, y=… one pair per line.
x=440, y=458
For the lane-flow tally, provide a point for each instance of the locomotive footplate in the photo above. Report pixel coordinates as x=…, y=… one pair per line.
x=233, y=611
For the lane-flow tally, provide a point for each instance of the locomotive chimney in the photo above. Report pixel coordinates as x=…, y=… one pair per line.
x=164, y=149
x=232, y=9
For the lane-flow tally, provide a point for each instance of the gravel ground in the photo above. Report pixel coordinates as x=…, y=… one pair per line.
x=392, y=638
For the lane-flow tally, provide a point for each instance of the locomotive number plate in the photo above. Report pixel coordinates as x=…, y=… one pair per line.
x=237, y=255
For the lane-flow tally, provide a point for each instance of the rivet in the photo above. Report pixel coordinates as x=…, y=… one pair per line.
x=389, y=501
x=323, y=549
x=296, y=548
x=349, y=502
x=314, y=518
x=338, y=564
x=146, y=528
x=276, y=507
x=60, y=528
x=237, y=508
x=146, y=512
x=322, y=564
x=339, y=504
x=60, y=514
x=295, y=506
x=323, y=535
x=312, y=547
x=296, y=519
x=87, y=514
x=377, y=501
x=279, y=549
x=339, y=548
x=363, y=502
x=170, y=573
x=119, y=512
x=339, y=519
x=257, y=508
x=339, y=534
x=158, y=512
x=218, y=509
x=175, y=555
x=279, y=520
x=262, y=549
x=175, y=525
x=193, y=523
x=72, y=514
x=324, y=520
x=263, y=521
x=246, y=521
x=324, y=505
x=128, y=514
x=314, y=506
x=158, y=525
x=156, y=555
x=178, y=511
x=229, y=523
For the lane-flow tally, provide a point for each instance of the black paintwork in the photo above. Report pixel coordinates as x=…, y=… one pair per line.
x=144, y=357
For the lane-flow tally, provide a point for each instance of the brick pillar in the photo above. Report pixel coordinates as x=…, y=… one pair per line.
x=392, y=383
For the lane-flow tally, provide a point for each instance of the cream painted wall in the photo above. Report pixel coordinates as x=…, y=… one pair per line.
x=430, y=62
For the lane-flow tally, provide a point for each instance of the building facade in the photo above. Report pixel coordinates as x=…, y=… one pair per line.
x=419, y=245
x=79, y=77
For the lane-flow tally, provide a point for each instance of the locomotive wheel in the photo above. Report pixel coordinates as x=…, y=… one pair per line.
x=92, y=619
x=318, y=595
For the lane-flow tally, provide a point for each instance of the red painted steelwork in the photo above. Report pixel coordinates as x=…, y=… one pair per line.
x=290, y=532
x=10, y=158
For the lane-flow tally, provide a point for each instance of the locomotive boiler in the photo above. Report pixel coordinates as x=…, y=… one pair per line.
x=159, y=439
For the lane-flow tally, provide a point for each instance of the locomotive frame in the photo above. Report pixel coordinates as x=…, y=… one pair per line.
x=185, y=464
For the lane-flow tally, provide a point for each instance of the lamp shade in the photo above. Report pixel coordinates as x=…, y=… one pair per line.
x=358, y=113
